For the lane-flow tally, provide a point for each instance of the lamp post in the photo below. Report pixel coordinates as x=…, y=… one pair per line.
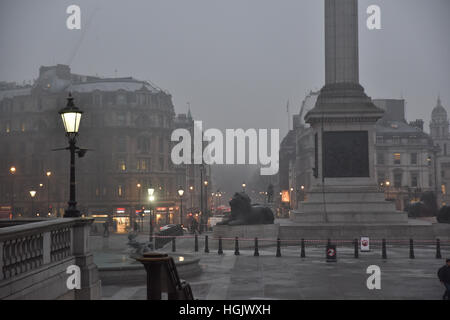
x=204, y=206
x=139, y=202
x=32, y=194
x=48, y=173
x=71, y=117
x=243, y=187
x=191, y=189
x=151, y=198
x=180, y=193
x=12, y=170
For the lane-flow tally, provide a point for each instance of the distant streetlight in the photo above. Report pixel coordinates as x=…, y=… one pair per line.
x=48, y=173
x=71, y=117
x=181, y=193
x=32, y=194
x=243, y=186
x=151, y=199
x=12, y=170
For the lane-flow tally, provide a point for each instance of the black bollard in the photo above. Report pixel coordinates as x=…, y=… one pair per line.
x=236, y=246
x=329, y=242
x=196, y=243
x=174, y=248
x=206, y=245
x=383, y=249
x=355, y=244
x=256, y=254
x=438, y=249
x=278, y=248
x=303, y=253
x=220, y=251
x=411, y=249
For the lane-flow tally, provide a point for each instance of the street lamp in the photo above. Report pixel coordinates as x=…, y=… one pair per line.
x=48, y=173
x=12, y=170
x=71, y=117
x=180, y=193
x=243, y=187
x=32, y=194
x=139, y=204
x=151, y=198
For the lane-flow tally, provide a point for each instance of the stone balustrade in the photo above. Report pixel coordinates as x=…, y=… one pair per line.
x=35, y=254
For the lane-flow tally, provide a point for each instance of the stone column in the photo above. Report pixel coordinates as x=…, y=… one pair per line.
x=341, y=41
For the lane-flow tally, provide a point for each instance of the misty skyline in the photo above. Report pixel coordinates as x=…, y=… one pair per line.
x=236, y=63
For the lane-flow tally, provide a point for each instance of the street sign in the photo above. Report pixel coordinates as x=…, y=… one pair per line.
x=331, y=253
x=365, y=244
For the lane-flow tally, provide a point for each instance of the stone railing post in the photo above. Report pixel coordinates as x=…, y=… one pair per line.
x=1, y=261
x=46, y=247
x=90, y=282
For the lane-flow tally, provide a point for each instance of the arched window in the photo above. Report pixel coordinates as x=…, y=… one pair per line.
x=143, y=145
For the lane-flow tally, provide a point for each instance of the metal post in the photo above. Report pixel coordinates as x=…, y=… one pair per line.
x=48, y=194
x=174, y=248
x=196, y=243
x=383, y=249
x=72, y=208
x=220, y=251
x=181, y=211
x=236, y=246
x=303, y=254
x=256, y=253
x=438, y=249
x=201, y=198
x=411, y=249
x=12, y=196
x=355, y=244
x=206, y=245
x=278, y=248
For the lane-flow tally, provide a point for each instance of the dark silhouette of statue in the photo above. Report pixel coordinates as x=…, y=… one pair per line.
x=244, y=213
x=270, y=193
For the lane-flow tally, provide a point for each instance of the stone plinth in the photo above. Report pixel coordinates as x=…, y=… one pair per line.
x=246, y=235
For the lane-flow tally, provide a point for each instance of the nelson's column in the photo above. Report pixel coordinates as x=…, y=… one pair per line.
x=344, y=191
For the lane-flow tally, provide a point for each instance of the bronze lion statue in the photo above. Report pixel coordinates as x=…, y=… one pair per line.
x=244, y=213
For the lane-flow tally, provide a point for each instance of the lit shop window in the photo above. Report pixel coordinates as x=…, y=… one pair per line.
x=8, y=127
x=443, y=189
x=121, y=164
x=397, y=158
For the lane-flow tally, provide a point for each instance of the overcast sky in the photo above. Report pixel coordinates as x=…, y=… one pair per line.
x=237, y=62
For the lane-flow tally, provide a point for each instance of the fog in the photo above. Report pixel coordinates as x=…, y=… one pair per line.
x=237, y=62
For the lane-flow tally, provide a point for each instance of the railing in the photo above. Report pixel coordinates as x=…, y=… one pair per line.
x=40, y=247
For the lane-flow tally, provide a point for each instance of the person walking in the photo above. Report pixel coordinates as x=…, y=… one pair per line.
x=444, y=277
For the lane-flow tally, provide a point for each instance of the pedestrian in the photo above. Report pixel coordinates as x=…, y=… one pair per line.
x=106, y=229
x=444, y=277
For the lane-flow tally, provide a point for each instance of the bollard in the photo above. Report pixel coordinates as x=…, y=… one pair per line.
x=383, y=249
x=329, y=242
x=236, y=246
x=411, y=249
x=196, y=243
x=278, y=248
x=438, y=249
x=303, y=253
x=174, y=248
x=256, y=254
x=206, y=245
x=220, y=251
x=355, y=244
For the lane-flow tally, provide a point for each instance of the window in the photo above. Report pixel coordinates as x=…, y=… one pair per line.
x=121, y=165
x=414, y=179
x=161, y=164
x=121, y=119
x=397, y=158
x=396, y=140
x=121, y=98
x=398, y=179
x=143, y=164
x=143, y=145
x=379, y=139
x=161, y=145
x=380, y=158
x=121, y=144
x=413, y=158
x=444, y=189
x=445, y=149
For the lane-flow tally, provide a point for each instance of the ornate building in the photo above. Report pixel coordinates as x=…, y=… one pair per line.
x=439, y=131
x=126, y=124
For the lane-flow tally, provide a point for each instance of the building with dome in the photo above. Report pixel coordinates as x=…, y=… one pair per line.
x=439, y=131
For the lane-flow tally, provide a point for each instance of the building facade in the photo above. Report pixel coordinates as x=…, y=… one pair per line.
x=404, y=163
x=126, y=125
